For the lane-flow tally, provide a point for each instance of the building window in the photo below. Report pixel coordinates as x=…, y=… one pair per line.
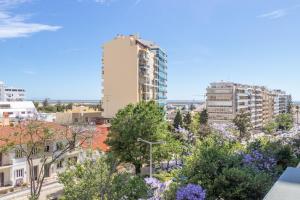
x=47, y=148
x=60, y=164
x=19, y=153
x=19, y=173
x=34, y=151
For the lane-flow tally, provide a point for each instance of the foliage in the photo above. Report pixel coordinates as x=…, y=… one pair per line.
x=172, y=149
x=190, y=192
x=192, y=107
x=144, y=120
x=204, y=117
x=270, y=127
x=243, y=124
x=187, y=120
x=157, y=188
x=99, y=180
x=259, y=161
x=195, y=125
x=297, y=112
x=178, y=122
x=241, y=184
x=229, y=170
x=284, y=121
x=278, y=150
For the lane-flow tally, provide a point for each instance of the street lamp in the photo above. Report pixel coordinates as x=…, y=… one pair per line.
x=150, y=143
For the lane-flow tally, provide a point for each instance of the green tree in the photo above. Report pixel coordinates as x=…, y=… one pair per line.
x=192, y=107
x=100, y=180
x=187, y=121
x=178, y=122
x=172, y=149
x=69, y=106
x=284, y=121
x=270, y=127
x=59, y=107
x=144, y=120
x=36, y=104
x=195, y=125
x=243, y=124
x=297, y=113
x=45, y=103
x=204, y=128
x=204, y=117
x=217, y=167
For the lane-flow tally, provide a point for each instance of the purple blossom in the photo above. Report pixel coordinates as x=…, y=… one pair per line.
x=258, y=161
x=157, y=188
x=191, y=192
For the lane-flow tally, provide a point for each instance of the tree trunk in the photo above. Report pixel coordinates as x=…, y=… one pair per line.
x=137, y=168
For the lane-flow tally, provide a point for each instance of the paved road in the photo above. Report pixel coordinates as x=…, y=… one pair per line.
x=47, y=189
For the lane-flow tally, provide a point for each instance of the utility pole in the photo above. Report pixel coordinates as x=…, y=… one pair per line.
x=150, y=143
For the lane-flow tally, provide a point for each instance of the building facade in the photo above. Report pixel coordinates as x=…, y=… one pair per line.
x=133, y=70
x=8, y=93
x=226, y=99
x=18, y=110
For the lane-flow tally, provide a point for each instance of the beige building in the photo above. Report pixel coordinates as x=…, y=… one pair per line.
x=133, y=70
x=81, y=114
x=226, y=99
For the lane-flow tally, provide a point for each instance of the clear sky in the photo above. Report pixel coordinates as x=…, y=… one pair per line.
x=52, y=48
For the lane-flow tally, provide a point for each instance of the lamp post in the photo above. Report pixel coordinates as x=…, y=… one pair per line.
x=150, y=143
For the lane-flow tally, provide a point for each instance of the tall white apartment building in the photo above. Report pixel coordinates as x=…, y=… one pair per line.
x=133, y=70
x=226, y=99
x=8, y=93
x=284, y=100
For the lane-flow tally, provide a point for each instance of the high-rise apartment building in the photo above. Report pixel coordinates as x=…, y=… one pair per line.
x=226, y=99
x=133, y=70
x=11, y=93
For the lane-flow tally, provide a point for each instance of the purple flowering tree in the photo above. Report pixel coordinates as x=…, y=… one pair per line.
x=191, y=192
x=157, y=187
x=259, y=161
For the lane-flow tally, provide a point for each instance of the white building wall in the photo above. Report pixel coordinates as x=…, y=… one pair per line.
x=2, y=91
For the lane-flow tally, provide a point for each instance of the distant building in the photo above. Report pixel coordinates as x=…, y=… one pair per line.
x=133, y=70
x=8, y=93
x=226, y=99
x=18, y=110
x=81, y=114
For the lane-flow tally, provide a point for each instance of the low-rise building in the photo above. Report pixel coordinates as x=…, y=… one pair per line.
x=18, y=110
x=81, y=114
x=14, y=168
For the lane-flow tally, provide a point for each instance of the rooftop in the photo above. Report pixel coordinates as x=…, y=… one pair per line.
x=287, y=187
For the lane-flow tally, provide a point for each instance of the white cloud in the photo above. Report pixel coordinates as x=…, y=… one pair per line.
x=279, y=13
x=274, y=14
x=5, y=4
x=13, y=26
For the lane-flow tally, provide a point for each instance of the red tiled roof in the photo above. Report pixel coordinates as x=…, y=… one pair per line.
x=7, y=134
x=99, y=138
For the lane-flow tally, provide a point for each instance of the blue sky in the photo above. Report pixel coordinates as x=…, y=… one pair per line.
x=52, y=48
